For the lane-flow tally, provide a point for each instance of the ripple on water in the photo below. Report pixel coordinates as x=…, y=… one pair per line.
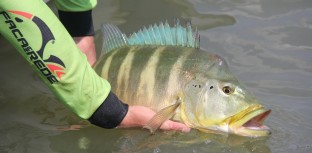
x=289, y=132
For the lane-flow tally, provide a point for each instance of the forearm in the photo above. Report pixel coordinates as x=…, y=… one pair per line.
x=76, y=16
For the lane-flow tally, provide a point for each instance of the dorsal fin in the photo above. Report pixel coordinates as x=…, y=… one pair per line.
x=163, y=34
x=112, y=38
x=160, y=35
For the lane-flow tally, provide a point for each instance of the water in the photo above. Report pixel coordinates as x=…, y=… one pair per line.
x=266, y=43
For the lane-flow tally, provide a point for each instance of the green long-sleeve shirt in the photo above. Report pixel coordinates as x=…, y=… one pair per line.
x=75, y=5
x=33, y=29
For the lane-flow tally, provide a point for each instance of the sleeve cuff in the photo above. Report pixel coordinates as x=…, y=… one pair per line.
x=77, y=23
x=111, y=112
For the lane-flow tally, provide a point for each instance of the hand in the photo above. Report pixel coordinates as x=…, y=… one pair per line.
x=87, y=46
x=138, y=116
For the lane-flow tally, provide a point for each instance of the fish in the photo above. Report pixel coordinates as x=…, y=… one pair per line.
x=163, y=68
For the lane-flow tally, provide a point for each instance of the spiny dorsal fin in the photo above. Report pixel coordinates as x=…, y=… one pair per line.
x=160, y=35
x=113, y=38
x=163, y=34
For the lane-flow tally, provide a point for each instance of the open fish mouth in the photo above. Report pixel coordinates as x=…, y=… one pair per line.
x=250, y=122
x=256, y=123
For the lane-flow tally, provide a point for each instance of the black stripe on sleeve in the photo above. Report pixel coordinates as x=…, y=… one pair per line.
x=77, y=23
x=111, y=112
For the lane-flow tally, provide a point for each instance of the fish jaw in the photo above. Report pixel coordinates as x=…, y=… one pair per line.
x=250, y=122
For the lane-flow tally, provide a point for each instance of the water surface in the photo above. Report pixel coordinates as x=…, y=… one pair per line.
x=266, y=43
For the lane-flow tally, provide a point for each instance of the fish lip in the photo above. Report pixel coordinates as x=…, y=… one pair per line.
x=250, y=123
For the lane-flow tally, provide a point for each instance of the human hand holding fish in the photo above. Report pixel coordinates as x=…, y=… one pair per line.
x=139, y=116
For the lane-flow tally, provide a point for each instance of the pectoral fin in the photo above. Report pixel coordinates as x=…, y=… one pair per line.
x=161, y=116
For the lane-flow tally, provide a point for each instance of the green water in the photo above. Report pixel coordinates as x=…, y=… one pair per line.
x=267, y=44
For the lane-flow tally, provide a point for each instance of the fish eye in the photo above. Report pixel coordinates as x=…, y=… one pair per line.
x=227, y=90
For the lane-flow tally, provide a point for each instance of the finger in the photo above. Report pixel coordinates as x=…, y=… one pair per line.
x=170, y=125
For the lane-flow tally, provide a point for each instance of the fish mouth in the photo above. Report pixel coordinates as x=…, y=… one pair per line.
x=250, y=122
x=256, y=123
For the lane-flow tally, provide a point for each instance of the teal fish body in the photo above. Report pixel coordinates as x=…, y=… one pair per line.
x=163, y=68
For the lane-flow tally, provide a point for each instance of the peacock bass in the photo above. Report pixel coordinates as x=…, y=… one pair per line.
x=162, y=67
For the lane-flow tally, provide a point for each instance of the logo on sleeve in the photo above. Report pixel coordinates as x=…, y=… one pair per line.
x=52, y=68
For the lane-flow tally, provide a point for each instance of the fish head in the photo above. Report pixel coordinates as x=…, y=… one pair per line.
x=216, y=102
